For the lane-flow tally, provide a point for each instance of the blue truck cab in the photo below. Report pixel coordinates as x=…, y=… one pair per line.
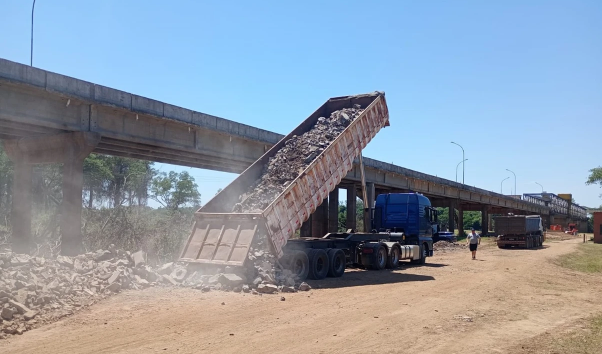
x=407, y=213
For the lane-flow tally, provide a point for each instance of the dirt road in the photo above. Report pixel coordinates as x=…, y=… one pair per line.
x=451, y=305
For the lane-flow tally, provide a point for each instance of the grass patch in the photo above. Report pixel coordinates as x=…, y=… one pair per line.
x=584, y=341
x=585, y=337
x=587, y=258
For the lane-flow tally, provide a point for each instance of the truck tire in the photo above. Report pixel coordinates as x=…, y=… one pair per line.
x=318, y=264
x=337, y=262
x=423, y=252
x=393, y=259
x=298, y=263
x=380, y=258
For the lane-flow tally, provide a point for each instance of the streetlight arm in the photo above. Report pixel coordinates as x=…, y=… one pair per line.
x=31, y=54
x=463, y=159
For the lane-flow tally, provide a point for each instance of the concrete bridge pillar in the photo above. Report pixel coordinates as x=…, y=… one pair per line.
x=460, y=220
x=306, y=228
x=452, y=215
x=485, y=220
x=70, y=149
x=333, y=211
x=319, y=220
x=351, y=208
x=21, y=208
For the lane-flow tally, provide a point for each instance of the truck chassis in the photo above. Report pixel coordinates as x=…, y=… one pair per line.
x=330, y=255
x=520, y=241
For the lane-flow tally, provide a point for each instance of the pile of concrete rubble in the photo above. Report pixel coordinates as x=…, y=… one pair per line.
x=443, y=246
x=288, y=163
x=37, y=290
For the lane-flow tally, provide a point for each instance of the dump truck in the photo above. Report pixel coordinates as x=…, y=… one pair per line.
x=223, y=236
x=525, y=231
x=401, y=230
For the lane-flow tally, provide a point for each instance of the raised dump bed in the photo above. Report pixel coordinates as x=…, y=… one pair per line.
x=221, y=236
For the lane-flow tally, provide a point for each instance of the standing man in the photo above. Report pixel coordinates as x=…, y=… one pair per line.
x=473, y=241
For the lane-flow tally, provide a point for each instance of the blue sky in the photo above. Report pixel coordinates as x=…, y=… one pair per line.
x=517, y=83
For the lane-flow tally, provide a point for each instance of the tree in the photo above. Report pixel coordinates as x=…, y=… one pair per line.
x=175, y=190
x=218, y=190
x=595, y=177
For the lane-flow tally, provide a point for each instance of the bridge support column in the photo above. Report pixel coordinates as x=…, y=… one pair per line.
x=21, y=208
x=306, y=228
x=70, y=149
x=460, y=220
x=333, y=211
x=485, y=220
x=369, y=206
x=351, y=208
x=452, y=215
x=319, y=220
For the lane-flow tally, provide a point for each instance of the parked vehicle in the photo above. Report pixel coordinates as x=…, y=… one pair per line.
x=519, y=231
x=445, y=236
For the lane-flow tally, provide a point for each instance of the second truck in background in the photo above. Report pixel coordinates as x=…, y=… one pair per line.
x=525, y=231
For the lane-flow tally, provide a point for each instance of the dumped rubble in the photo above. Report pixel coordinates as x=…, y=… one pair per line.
x=443, y=246
x=36, y=290
x=288, y=163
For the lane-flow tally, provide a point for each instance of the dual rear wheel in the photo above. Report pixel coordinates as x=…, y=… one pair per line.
x=317, y=263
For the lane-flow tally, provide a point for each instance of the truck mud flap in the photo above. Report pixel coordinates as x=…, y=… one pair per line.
x=221, y=239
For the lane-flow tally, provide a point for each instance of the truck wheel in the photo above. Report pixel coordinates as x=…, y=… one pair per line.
x=393, y=259
x=423, y=252
x=298, y=263
x=318, y=264
x=380, y=259
x=337, y=260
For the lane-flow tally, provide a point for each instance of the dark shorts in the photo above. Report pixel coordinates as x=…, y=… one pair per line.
x=473, y=246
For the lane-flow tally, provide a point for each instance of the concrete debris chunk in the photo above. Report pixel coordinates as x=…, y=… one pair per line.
x=22, y=309
x=178, y=274
x=115, y=287
x=231, y=280
x=102, y=255
x=7, y=314
x=114, y=277
x=65, y=261
x=304, y=287
x=139, y=258
x=267, y=288
x=169, y=280
x=30, y=315
x=167, y=268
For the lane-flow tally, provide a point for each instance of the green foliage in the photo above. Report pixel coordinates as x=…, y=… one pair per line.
x=359, y=215
x=472, y=219
x=115, y=192
x=175, y=190
x=595, y=177
x=159, y=232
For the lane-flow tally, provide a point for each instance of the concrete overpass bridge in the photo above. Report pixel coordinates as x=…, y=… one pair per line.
x=50, y=118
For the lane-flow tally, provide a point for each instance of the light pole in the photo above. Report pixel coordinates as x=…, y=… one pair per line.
x=463, y=159
x=502, y=185
x=458, y=165
x=514, y=180
x=540, y=186
x=31, y=54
